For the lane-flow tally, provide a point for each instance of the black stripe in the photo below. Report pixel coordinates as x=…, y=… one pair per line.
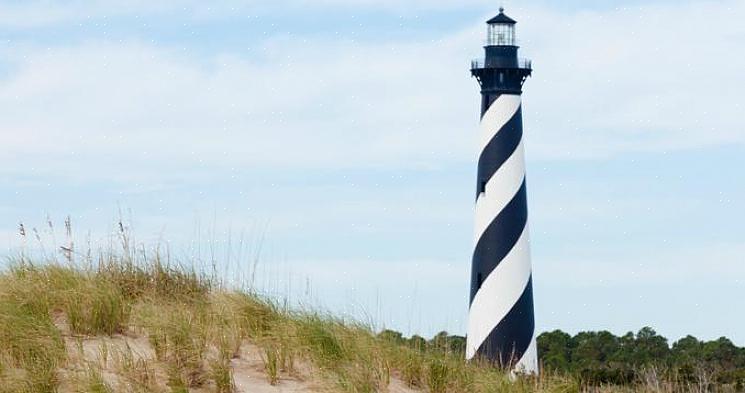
x=499, y=149
x=499, y=238
x=509, y=340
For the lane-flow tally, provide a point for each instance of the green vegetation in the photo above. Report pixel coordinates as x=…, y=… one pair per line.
x=145, y=325
x=602, y=358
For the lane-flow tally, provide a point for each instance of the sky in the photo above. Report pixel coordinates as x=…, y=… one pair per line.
x=324, y=151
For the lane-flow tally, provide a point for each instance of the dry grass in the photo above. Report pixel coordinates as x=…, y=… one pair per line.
x=196, y=329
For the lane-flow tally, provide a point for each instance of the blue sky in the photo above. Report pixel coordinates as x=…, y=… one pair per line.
x=341, y=136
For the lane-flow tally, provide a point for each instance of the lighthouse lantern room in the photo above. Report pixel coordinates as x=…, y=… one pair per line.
x=501, y=30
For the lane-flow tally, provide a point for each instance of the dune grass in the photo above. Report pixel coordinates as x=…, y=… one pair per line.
x=195, y=328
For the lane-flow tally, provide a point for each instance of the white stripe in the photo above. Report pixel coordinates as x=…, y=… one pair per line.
x=498, y=294
x=500, y=190
x=498, y=114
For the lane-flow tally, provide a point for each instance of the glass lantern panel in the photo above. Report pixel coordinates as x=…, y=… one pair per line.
x=501, y=34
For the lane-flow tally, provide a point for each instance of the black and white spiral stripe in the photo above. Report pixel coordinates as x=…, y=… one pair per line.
x=501, y=324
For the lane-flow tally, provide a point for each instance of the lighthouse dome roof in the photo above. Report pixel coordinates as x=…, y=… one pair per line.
x=501, y=18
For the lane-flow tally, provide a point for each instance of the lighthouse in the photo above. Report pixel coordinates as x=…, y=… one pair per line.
x=501, y=324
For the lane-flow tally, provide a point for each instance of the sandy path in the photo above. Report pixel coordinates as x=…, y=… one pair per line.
x=106, y=353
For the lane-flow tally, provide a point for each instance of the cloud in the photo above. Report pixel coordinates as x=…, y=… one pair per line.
x=309, y=104
x=695, y=265
x=606, y=83
x=639, y=79
x=45, y=13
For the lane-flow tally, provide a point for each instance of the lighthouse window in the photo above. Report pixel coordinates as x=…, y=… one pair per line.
x=501, y=34
x=501, y=77
x=482, y=187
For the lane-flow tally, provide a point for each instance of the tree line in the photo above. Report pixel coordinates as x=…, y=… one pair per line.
x=597, y=358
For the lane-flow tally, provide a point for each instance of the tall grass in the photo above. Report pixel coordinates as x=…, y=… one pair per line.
x=196, y=328
x=31, y=349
